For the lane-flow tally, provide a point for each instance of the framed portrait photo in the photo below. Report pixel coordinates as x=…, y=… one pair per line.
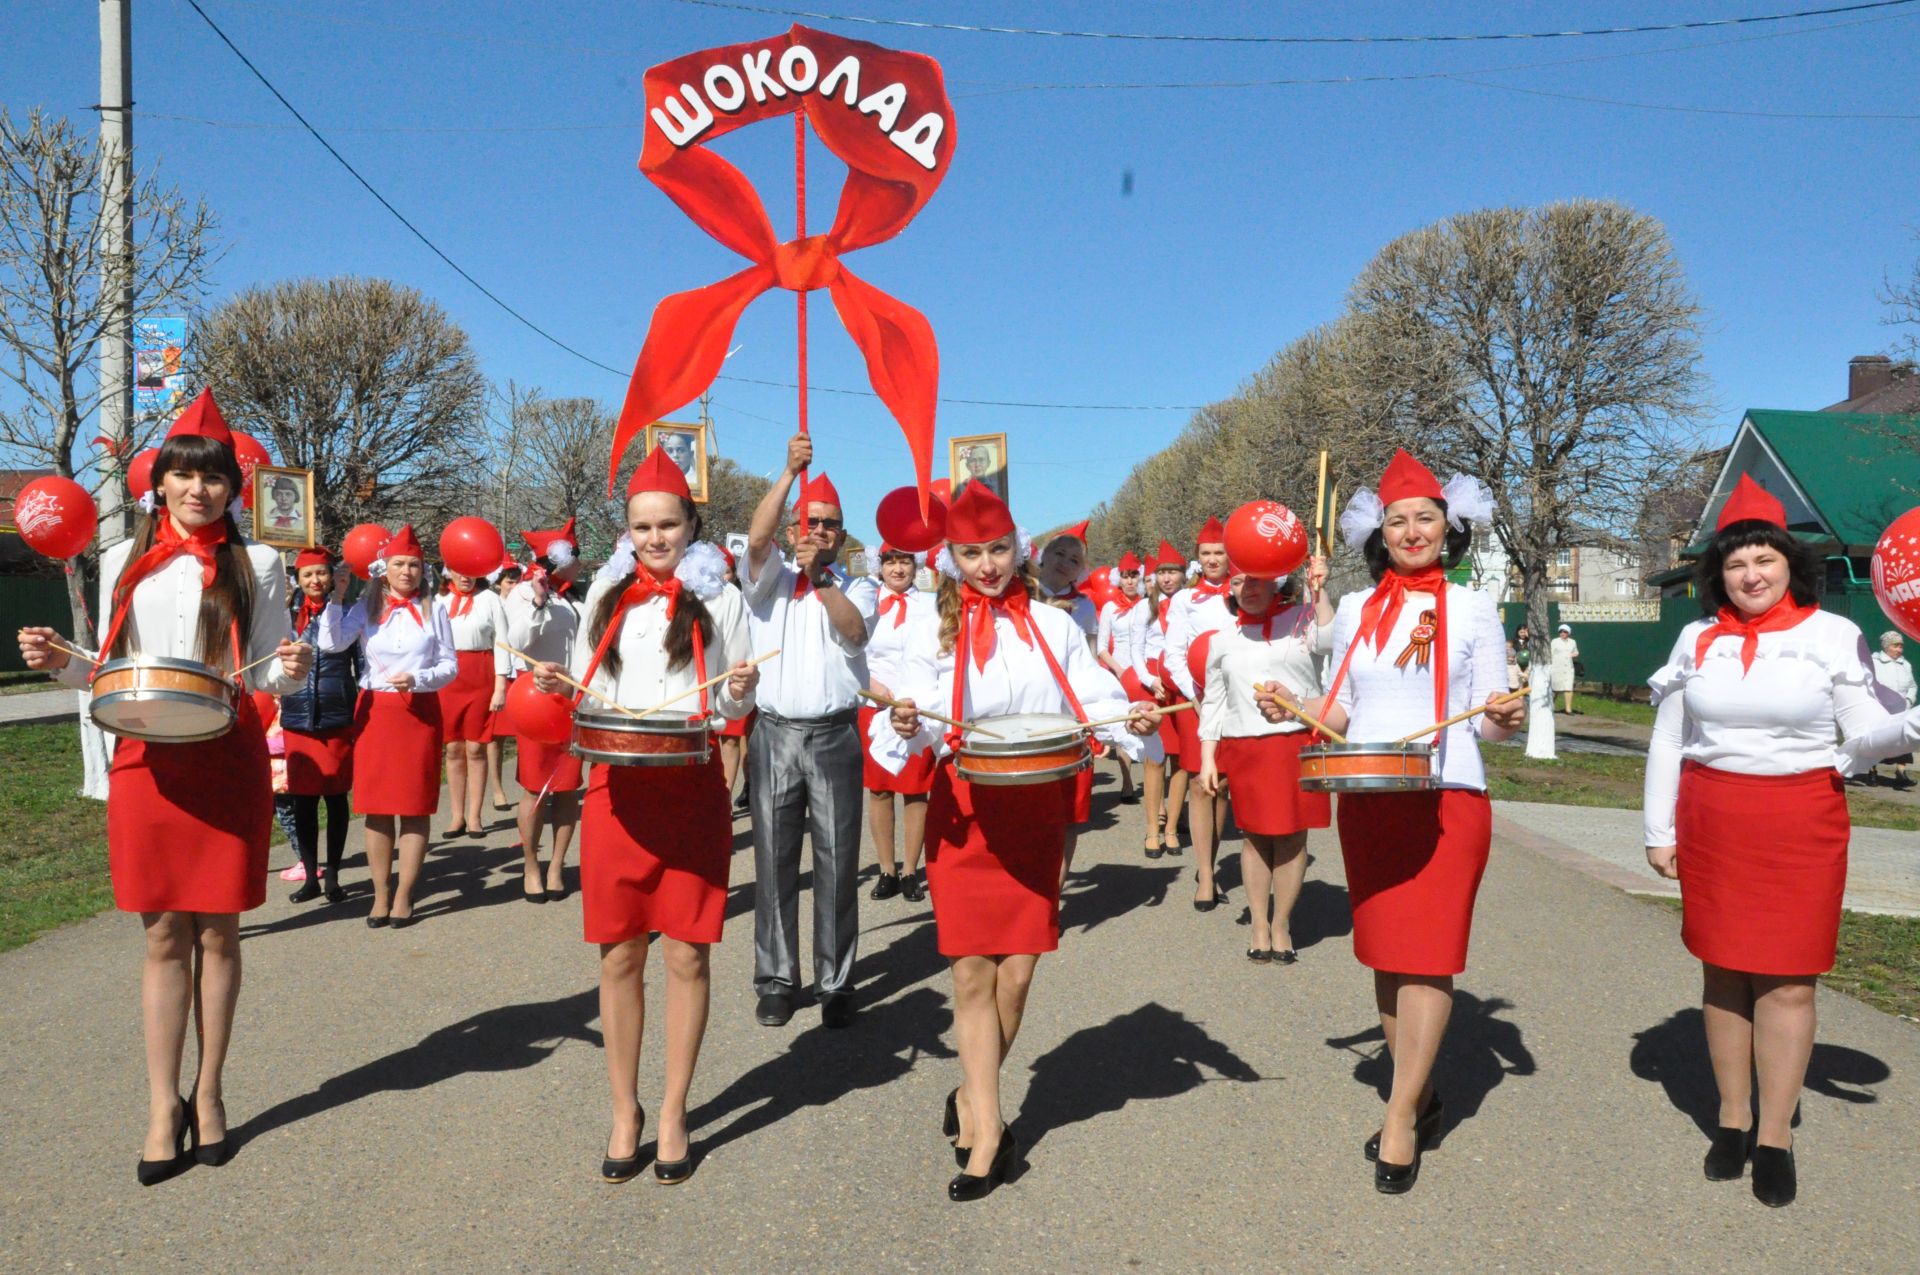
x=283, y=507
x=686, y=446
x=978, y=458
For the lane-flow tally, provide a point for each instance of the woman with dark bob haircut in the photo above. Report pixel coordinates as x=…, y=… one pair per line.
x=1749, y=704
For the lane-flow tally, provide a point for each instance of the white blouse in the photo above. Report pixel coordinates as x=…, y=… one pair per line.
x=818, y=672
x=1086, y=617
x=482, y=628
x=1238, y=659
x=887, y=648
x=398, y=646
x=164, y=619
x=1120, y=633
x=544, y=632
x=1384, y=702
x=1187, y=618
x=645, y=679
x=1015, y=680
x=1808, y=685
x=1152, y=645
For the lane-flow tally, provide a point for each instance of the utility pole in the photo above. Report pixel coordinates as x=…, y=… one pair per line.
x=706, y=421
x=116, y=216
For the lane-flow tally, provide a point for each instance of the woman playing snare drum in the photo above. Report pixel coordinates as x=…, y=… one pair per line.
x=1271, y=645
x=993, y=853
x=656, y=840
x=188, y=824
x=1412, y=652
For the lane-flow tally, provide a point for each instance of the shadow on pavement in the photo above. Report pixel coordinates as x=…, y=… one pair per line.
x=510, y=1038
x=1674, y=1053
x=818, y=1067
x=1146, y=1053
x=1322, y=913
x=1102, y=892
x=1480, y=1051
x=455, y=877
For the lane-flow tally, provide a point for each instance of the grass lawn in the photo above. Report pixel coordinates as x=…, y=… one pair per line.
x=1614, y=709
x=1878, y=960
x=53, y=855
x=23, y=681
x=1604, y=779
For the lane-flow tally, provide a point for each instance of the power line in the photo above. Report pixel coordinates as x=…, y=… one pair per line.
x=1198, y=38
x=1687, y=110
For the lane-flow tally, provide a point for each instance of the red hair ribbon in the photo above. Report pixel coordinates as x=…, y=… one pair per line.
x=886, y=114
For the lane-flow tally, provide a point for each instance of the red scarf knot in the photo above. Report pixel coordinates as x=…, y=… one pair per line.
x=977, y=613
x=896, y=603
x=310, y=609
x=168, y=540
x=1382, y=610
x=1265, y=619
x=1731, y=622
x=462, y=602
x=1205, y=588
x=397, y=604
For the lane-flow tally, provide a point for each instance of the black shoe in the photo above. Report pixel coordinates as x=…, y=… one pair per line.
x=211, y=1154
x=1775, y=1182
x=965, y=1186
x=774, y=1009
x=153, y=1172
x=1426, y=1128
x=402, y=922
x=836, y=1010
x=742, y=806
x=333, y=892
x=476, y=833
x=378, y=922
x=910, y=888
x=1130, y=798
x=950, y=1122
x=1396, y=1179
x=1259, y=955
x=530, y=896
x=1154, y=852
x=309, y=891
x=1727, y=1157
x=1174, y=851
x=886, y=887
x=1285, y=956
x=674, y=1172
x=626, y=1168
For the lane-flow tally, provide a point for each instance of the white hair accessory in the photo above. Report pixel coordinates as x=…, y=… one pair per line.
x=148, y=501
x=703, y=569
x=1468, y=500
x=377, y=569
x=619, y=565
x=560, y=552
x=1361, y=518
x=1022, y=554
x=1193, y=569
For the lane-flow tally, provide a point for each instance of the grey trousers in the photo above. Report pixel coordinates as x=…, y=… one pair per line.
x=806, y=778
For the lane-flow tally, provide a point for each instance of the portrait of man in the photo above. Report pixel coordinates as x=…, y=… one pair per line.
x=980, y=458
x=686, y=447
x=283, y=507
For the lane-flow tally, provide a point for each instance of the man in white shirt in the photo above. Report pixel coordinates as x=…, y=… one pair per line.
x=804, y=755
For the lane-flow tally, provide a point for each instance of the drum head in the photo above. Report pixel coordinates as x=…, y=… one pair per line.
x=1016, y=727
x=162, y=716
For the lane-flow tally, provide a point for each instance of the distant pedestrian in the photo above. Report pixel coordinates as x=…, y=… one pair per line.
x=317, y=726
x=1150, y=662
x=1565, y=652
x=1891, y=670
x=1194, y=616
x=896, y=604
x=543, y=620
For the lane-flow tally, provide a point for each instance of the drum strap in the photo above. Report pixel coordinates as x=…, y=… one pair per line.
x=1377, y=618
x=643, y=587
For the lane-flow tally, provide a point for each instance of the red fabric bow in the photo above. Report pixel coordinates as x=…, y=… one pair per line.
x=896, y=603
x=462, y=603
x=1205, y=588
x=644, y=587
x=167, y=541
x=1731, y=622
x=1264, y=619
x=1382, y=610
x=310, y=609
x=977, y=616
x=885, y=114
x=402, y=604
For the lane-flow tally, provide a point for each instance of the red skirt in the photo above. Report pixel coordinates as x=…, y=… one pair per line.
x=319, y=765
x=1414, y=862
x=1080, y=797
x=1763, y=865
x=188, y=824
x=993, y=865
x=655, y=845
x=1187, y=724
x=464, y=713
x=1264, y=783
x=397, y=753
x=736, y=727
x=546, y=768
x=915, y=778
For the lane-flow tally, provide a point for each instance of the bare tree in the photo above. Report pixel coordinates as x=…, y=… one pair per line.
x=1554, y=352
x=365, y=382
x=58, y=286
x=568, y=443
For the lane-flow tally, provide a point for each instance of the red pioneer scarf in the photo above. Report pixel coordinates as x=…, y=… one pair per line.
x=896, y=603
x=1264, y=619
x=1731, y=622
x=167, y=541
x=643, y=588
x=1382, y=609
x=976, y=640
x=1204, y=588
x=397, y=603
x=462, y=602
x=310, y=609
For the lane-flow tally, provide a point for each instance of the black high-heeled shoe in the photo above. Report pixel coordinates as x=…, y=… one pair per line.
x=626, y=1168
x=950, y=1122
x=1426, y=1127
x=966, y=1186
x=1775, y=1180
x=1727, y=1157
x=211, y=1154
x=309, y=891
x=1396, y=1179
x=153, y=1172
x=674, y=1172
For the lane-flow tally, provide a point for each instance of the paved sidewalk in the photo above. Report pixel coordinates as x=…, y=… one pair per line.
x=29, y=707
x=435, y=1099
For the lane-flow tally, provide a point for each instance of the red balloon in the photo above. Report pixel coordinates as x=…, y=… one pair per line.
x=901, y=526
x=248, y=451
x=544, y=717
x=362, y=546
x=1100, y=586
x=471, y=546
x=55, y=516
x=140, y=473
x=1896, y=573
x=1265, y=539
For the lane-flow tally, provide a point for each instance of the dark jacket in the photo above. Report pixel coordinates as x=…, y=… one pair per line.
x=333, y=686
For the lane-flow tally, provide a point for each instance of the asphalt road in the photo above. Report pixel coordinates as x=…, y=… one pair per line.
x=435, y=1099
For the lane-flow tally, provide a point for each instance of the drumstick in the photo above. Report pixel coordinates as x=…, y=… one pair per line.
x=1302, y=714
x=615, y=705
x=1127, y=717
x=884, y=702
x=710, y=682
x=270, y=655
x=1496, y=702
x=62, y=646
x=1320, y=509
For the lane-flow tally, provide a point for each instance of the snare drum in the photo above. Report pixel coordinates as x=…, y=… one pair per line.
x=1356, y=767
x=1037, y=748
x=651, y=739
x=162, y=700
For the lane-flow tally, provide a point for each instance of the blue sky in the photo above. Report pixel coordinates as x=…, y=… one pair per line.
x=1251, y=208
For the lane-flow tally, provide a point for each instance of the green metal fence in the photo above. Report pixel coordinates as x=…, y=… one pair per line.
x=29, y=600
